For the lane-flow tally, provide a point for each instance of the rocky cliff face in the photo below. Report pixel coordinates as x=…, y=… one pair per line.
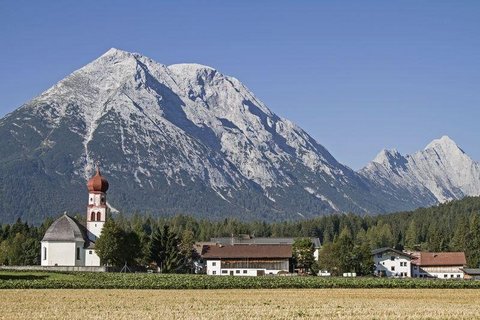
x=439, y=173
x=175, y=139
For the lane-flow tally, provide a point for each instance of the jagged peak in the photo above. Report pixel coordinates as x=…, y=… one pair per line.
x=386, y=155
x=120, y=53
x=445, y=142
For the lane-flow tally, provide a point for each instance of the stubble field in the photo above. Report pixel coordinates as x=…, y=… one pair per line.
x=240, y=304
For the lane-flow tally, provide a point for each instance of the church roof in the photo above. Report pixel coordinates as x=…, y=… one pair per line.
x=66, y=228
x=97, y=183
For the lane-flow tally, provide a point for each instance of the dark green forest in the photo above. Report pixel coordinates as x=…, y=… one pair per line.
x=346, y=238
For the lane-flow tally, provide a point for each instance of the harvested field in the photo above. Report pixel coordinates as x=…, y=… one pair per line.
x=241, y=304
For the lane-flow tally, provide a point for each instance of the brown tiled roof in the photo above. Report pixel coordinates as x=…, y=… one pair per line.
x=439, y=259
x=97, y=183
x=247, y=251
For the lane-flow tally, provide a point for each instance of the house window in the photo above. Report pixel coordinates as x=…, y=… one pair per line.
x=458, y=276
x=237, y=271
x=214, y=264
x=392, y=258
x=78, y=253
x=244, y=271
x=90, y=252
x=224, y=271
x=92, y=216
x=392, y=268
x=214, y=272
x=44, y=253
x=99, y=216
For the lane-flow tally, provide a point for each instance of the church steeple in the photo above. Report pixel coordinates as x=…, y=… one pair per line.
x=97, y=210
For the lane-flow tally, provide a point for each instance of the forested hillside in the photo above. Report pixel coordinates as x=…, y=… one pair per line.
x=453, y=226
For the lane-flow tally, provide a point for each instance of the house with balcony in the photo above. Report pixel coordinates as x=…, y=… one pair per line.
x=247, y=259
x=392, y=263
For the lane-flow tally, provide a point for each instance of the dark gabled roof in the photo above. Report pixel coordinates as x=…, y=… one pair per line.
x=387, y=249
x=66, y=228
x=263, y=240
x=247, y=251
x=471, y=271
x=430, y=259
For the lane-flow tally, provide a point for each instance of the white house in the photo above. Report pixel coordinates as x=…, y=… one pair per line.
x=67, y=243
x=392, y=263
x=441, y=265
x=247, y=260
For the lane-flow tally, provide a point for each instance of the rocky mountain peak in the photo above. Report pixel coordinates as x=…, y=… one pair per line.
x=444, y=144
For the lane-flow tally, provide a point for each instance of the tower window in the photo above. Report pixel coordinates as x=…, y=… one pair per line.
x=98, y=216
x=92, y=216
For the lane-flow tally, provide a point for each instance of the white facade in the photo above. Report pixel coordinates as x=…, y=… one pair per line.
x=62, y=253
x=214, y=268
x=391, y=263
x=91, y=258
x=96, y=214
x=440, y=272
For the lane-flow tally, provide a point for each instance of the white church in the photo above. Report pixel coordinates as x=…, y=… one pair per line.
x=68, y=243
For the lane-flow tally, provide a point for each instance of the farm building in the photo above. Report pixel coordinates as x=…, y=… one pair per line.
x=441, y=265
x=248, y=239
x=471, y=274
x=392, y=263
x=247, y=260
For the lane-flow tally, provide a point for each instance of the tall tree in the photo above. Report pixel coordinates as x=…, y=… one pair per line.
x=116, y=247
x=165, y=251
x=302, y=251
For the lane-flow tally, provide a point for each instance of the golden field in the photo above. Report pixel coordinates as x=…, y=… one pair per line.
x=241, y=304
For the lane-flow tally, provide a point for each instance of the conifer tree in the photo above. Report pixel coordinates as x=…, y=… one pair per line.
x=165, y=251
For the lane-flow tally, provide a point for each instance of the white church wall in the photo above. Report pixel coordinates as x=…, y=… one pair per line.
x=91, y=258
x=58, y=253
x=94, y=229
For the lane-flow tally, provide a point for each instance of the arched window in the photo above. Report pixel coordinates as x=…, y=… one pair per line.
x=78, y=253
x=99, y=216
x=92, y=216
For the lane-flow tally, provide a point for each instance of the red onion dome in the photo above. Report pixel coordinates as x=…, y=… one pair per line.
x=97, y=183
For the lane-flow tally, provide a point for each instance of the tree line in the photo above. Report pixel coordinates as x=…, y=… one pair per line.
x=346, y=238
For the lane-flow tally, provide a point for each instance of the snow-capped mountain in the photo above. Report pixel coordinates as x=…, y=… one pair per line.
x=439, y=173
x=173, y=139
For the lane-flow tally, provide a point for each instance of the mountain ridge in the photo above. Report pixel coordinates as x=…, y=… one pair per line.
x=173, y=139
x=442, y=170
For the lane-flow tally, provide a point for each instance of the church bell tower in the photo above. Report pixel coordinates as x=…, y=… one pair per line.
x=97, y=210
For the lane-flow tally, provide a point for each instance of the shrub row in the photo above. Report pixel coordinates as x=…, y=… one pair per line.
x=158, y=281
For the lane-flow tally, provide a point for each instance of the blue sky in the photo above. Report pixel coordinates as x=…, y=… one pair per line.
x=356, y=75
